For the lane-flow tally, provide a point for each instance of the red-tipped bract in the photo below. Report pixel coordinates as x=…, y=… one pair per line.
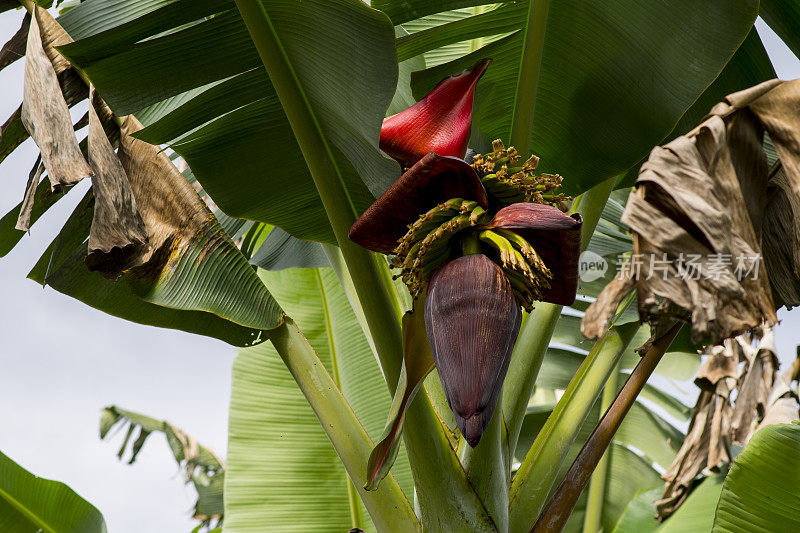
x=472, y=319
x=440, y=122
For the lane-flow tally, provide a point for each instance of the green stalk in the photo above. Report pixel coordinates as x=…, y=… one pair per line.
x=560, y=506
x=488, y=471
x=352, y=495
x=534, y=337
x=379, y=310
x=526, y=360
x=537, y=473
x=470, y=244
x=528, y=81
x=389, y=508
x=447, y=500
x=335, y=258
x=597, y=485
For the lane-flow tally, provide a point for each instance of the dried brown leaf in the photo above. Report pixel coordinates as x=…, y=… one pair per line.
x=718, y=438
x=780, y=241
x=598, y=315
x=755, y=384
x=722, y=363
x=174, y=216
x=782, y=405
x=716, y=425
x=705, y=446
x=53, y=35
x=117, y=237
x=45, y=113
x=707, y=443
x=710, y=194
x=691, y=458
x=72, y=86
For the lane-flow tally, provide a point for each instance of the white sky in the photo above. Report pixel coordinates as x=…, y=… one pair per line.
x=63, y=361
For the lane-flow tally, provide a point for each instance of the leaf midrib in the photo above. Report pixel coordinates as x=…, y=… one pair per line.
x=309, y=111
x=25, y=511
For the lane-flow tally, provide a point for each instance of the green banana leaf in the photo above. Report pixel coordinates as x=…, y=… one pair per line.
x=280, y=250
x=240, y=146
x=442, y=37
x=401, y=12
x=760, y=491
x=639, y=515
x=403, y=97
x=695, y=515
x=228, y=63
x=200, y=465
x=31, y=503
x=613, y=79
x=749, y=66
x=783, y=16
x=62, y=267
x=281, y=468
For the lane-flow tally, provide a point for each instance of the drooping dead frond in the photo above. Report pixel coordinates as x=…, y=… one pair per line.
x=73, y=88
x=754, y=386
x=707, y=444
x=782, y=405
x=174, y=215
x=45, y=113
x=704, y=210
x=719, y=425
x=117, y=235
x=53, y=36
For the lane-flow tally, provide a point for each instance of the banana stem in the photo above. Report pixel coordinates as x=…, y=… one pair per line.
x=534, y=337
x=557, y=511
x=597, y=484
x=470, y=245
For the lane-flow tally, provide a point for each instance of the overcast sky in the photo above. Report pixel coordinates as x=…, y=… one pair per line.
x=62, y=362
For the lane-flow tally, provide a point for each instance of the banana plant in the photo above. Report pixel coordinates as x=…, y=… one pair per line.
x=201, y=465
x=477, y=144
